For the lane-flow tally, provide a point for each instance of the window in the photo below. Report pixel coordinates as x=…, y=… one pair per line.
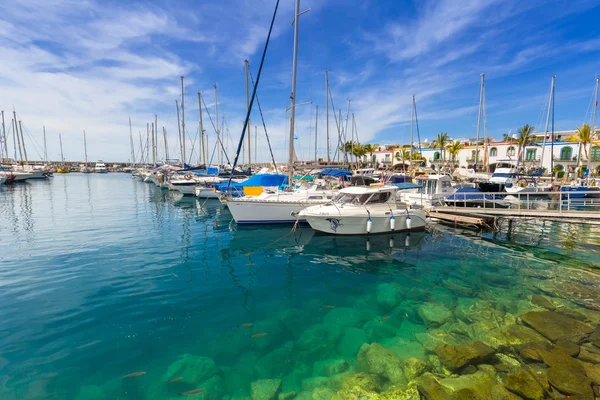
x=373, y=159
x=436, y=156
x=530, y=154
x=493, y=152
x=379, y=198
x=510, y=151
x=473, y=154
x=387, y=157
x=566, y=153
x=595, y=153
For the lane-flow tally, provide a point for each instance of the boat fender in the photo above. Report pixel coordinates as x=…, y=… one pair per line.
x=408, y=223
x=391, y=243
x=392, y=223
x=407, y=241
x=369, y=225
x=187, y=177
x=368, y=245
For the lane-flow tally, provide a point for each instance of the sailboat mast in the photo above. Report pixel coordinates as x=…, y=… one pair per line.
x=217, y=127
x=166, y=147
x=148, y=143
x=293, y=96
x=593, y=127
x=131, y=144
x=23, y=142
x=16, y=132
x=153, y=144
x=486, y=160
x=179, y=132
x=62, y=157
x=182, y=122
x=353, y=144
x=156, y=137
x=547, y=121
x=247, y=108
x=479, y=122
x=412, y=127
x=255, y=143
x=45, y=146
x=201, y=130
x=316, y=132
x=327, y=115
x=85, y=148
x=4, y=136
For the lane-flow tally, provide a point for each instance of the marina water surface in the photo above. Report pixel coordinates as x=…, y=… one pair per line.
x=113, y=289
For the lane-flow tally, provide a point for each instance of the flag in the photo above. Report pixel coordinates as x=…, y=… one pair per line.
x=295, y=137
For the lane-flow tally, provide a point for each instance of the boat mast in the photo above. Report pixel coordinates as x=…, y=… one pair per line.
x=593, y=127
x=45, y=146
x=4, y=136
x=294, y=94
x=153, y=144
x=316, y=132
x=16, y=132
x=156, y=137
x=548, y=122
x=412, y=127
x=166, y=147
x=131, y=144
x=255, y=143
x=486, y=160
x=247, y=108
x=62, y=157
x=179, y=132
x=201, y=130
x=23, y=142
x=353, y=144
x=85, y=147
x=182, y=122
x=327, y=115
x=479, y=122
x=217, y=121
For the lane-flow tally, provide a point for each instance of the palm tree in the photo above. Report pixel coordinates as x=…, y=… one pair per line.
x=453, y=149
x=358, y=151
x=525, y=138
x=508, y=138
x=584, y=137
x=441, y=142
x=369, y=148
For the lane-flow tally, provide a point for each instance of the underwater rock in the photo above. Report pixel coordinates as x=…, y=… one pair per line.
x=352, y=339
x=525, y=385
x=499, y=392
x=193, y=369
x=592, y=371
x=293, y=381
x=313, y=382
x=570, y=383
x=266, y=389
x=455, y=357
x=431, y=389
x=294, y=320
x=457, y=287
x=330, y=367
x=389, y=295
x=408, y=329
x=466, y=394
x=322, y=394
x=541, y=301
x=313, y=342
x=566, y=345
x=355, y=393
x=344, y=317
x=377, y=330
x=506, y=363
x=413, y=368
x=512, y=337
x=276, y=363
x=555, y=326
x=362, y=380
x=433, y=338
x=409, y=392
x=530, y=354
x=433, y=313
x=404, y=348
x=590, y=353
x=275, y=332
x=594, y=338
x=336, y=382
x=378, y=360
x=287, y=396
x=569, y=312
x=303, y=396
x=91, y=393
x=480, y=382
x=560, y=359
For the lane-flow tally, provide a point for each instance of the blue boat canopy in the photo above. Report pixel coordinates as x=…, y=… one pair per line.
x=336, y=173
x=270, y=180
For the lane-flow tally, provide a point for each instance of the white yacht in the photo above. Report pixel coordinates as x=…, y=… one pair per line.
x=527, y=186
x=279, y=207
x=100, y=168
x=360, y=210
x=499, y=179
x=188, y=184
x=434, y=189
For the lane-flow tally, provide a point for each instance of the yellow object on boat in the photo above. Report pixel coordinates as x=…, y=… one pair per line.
x=62, y=171
x=252, y=190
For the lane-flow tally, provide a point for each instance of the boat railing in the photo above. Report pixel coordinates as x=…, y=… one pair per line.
x=556, y=201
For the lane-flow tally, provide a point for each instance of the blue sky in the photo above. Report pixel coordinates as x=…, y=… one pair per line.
x=74, y=65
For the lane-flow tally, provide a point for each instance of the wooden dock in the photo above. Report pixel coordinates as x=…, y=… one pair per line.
x=470, y=220
x=585, y=216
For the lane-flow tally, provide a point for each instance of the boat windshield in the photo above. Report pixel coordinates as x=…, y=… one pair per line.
x=502, y=175
x=366, y=198
x=428, y=186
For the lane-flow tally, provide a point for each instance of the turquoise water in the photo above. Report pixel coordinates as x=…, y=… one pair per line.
x=102, y=276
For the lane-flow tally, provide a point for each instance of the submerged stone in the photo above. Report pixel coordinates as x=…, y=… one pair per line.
x=589, y=353
x=362, y=380
x=479, y=382
x=455, y=357
x=431, y=389
x=413, y=368
x=404, y=348
x=525, y=385
x=389, y=295
x=351, y=341
x=560, y=359
x=466, y=394
x=322, y=394
x=344, y=317
x=330, y=367
x=569, y=347
x=512, y=337
x=378, y=360
x=592, y=371
x=275, y=364
x=543, y=302
x=266, y=389
x=409, y=392
x=555, y=326
x=433, y=313
x=570, y=383
x=499, y=392
x=433, y=338
x=193, y=369
x=91, y=393
x=313, y=382
x=355, y=393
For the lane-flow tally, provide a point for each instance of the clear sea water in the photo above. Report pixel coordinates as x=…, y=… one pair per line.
x=103, y=276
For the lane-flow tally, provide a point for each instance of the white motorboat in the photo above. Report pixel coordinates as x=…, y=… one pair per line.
x=188, y=184
x=279, y=207
x=432, y=191
x=360, y=210
x=2, y=179
x=20, y=176
x=100, y=168
x=499, y=179
x=527, y=186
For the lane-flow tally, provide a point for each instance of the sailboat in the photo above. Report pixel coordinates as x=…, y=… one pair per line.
x=276, y=207
x=84, y=168
x=62, y=169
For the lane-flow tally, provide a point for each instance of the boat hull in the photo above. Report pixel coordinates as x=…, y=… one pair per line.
x=265, y=212
x=207, y=193
x=357, y=225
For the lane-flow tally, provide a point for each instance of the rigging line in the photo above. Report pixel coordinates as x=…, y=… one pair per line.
x=32, y=138
x=217, y=134
x=194, y=145
x=264, y=124
x=336, y=122
x=418, y=132
x=262, y=61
